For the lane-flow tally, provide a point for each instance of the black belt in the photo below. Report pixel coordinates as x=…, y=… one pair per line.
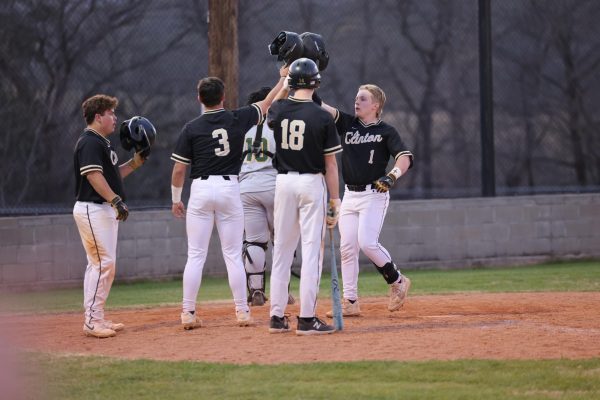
x=357, y=188
x=98, y=202
x=226, y=177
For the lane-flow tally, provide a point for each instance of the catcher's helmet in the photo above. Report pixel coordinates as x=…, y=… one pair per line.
x=314, y=48
x=287, y=46
x=138, y=133
x=304, y=74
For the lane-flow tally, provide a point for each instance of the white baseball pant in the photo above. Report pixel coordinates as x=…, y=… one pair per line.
x=258, y=224
x=214, y=201
x=361, y=219
x=300, y=209
x=98, y=228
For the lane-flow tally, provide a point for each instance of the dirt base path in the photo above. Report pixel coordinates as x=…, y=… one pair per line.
x=441, y=327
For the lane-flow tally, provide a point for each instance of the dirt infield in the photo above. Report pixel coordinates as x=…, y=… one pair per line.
x=441, y=327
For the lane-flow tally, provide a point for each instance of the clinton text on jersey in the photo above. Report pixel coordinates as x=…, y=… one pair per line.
x=356, y=138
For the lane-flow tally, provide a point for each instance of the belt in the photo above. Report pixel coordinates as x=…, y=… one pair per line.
x=205, y=177
x=98, y=202
x=358, y=188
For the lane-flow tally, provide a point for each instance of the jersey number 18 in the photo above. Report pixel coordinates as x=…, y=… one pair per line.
x=292, y=134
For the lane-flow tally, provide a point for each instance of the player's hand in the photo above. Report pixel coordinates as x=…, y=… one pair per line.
x=120, y=207
x=333, y=212
x=384, y=183
x=138, y=159
x=178, y=210
x=283, y=71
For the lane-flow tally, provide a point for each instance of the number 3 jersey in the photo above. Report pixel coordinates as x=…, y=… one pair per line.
x=367, y=148
x=257, y=173
x=304, y=133
x=213, y=142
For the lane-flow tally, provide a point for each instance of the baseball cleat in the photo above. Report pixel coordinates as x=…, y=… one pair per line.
x=279, y=324
x=348, y=309
x=398, y=292
x=243, y=318
x=190, y=321
x=115, y=326
x=98, y=331
x=313, y=327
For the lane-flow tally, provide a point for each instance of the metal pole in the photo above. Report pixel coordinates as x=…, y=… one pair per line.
x=488, y=175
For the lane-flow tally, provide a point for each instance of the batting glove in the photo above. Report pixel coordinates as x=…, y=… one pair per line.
x=384, y=183
x=333, y=212
x=121, y=208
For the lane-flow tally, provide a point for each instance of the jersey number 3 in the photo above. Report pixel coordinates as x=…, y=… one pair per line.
x=292, y=134
x=222, y=135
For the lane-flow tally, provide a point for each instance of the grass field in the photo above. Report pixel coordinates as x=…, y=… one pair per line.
x=78, y=377
x=580, y=276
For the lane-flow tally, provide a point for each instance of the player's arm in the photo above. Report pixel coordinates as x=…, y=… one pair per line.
x=401, y=166
x=331, y=110
x=266, y=103
x=131, y=165
x=100, y=185
x=177, y=180
x=333, y=187
x=98, y=182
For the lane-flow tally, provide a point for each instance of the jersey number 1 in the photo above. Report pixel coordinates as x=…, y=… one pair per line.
x=294, y=137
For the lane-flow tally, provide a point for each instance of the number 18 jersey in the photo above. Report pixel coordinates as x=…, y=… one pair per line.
x=304, y=133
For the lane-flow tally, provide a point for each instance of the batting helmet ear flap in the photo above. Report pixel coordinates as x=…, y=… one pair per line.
x=314, y=48
x=287, y=46
x=137, y=133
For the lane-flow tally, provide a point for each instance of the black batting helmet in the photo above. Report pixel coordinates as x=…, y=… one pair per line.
x=287, y=46
x=138, y=133
x=314, y=48
x=304, y=74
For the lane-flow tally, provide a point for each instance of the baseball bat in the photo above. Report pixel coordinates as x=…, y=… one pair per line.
x=335, y=288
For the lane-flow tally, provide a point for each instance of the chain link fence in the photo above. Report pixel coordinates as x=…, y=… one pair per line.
x=423, y=53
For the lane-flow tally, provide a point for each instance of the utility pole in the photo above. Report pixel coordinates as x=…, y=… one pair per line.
x=488, y=174
x=223, y=57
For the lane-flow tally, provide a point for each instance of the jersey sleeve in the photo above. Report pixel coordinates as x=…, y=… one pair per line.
x=332, y=139
x=90, y=156
x=343, y=121
x=183, y=149
x=249, y=116
x=396, y=146
x=273, y=113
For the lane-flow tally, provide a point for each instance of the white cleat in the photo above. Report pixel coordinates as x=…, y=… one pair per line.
x=398, y=292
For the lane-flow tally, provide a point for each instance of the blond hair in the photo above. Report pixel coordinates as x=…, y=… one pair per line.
x=378, y=96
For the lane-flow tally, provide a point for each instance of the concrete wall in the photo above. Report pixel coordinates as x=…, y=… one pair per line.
x=43, y=251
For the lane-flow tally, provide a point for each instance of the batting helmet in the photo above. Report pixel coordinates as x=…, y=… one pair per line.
x=304, y=74
x=314, y=48
x=138, y=133
x=287, y=46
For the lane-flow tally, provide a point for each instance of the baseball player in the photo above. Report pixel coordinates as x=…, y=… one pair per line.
x=257, y=188
x=368, y=143
x=99, y=193
x=212, y=144
x=306, y=142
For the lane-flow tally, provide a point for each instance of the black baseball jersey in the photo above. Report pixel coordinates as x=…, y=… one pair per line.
x=213, y=142
x=93, y=152
x=367, y=148
x=304, y=133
